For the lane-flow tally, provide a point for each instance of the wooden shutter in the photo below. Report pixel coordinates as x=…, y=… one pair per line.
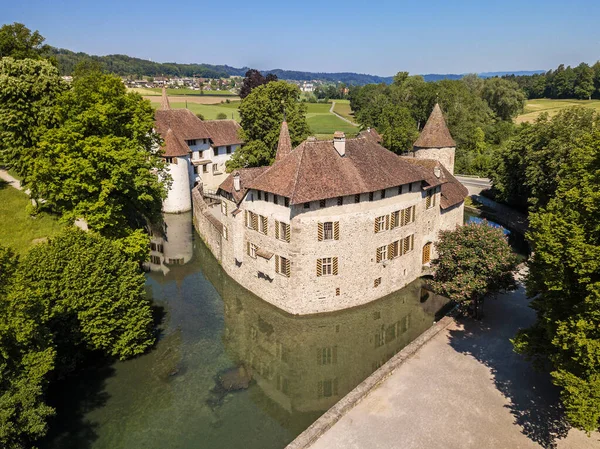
x=387, y=222
x=320, y=232
x=412, y=241
x=277, y=264
x=335, y=266
x=336, y=230
x=376, y=226
x=276, y=229
x=287, y=233
x=406, y=243
x=391, y=254
x=248, y=247
x=254, y=221
x=393, y=220
x=426, y=253
x=319, y=267
x=265, y=224
x=378, y=255
x=287, y=267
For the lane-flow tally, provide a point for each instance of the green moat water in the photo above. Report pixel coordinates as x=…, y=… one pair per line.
x=298, y=366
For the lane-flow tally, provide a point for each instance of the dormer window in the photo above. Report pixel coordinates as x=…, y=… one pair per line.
x=191, y=142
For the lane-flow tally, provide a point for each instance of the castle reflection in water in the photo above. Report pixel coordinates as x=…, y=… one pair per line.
x=303, y=364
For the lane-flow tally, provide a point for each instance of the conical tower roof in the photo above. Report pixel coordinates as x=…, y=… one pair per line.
x=164, y=102
x=435, y=134
x=173, y=146
x=284, y=146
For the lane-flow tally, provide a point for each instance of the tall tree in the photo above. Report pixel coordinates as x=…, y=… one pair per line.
x=504, y=97
x=28, y=94
x=473, y=261
x=101, y=162
x=18, y=42
x=254, y=79
x=565, y=279
x=584, y=81
x=261, y=115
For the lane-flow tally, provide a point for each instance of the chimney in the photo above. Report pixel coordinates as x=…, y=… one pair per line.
x=236, y=182
x=339, y=142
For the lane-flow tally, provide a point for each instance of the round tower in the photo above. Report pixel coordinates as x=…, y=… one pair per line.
x=176, y=154
x=435, y=141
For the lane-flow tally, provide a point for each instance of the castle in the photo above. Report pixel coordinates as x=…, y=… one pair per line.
x=333, y=224
x=195, y=152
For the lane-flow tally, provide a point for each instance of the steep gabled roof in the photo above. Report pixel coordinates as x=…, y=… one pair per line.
x=315, y=170
x=223, y=132
x=174, y=146
x=371, y=133
x=183, y=123
x=284, y=146
x=164, y=101
x=453, y=192
x=246, y=177
x=435, y=134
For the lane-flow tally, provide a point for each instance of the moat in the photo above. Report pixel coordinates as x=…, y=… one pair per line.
x=229, y=370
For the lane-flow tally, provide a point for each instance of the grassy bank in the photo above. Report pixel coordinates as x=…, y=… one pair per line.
x=534, y=108
x=19, y=230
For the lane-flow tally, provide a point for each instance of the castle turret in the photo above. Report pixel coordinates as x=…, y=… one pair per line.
x=284, y=146
x=435, y=141
x=177, y=155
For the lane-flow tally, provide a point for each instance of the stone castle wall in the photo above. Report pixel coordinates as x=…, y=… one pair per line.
x=304, y=292
x=443, y=155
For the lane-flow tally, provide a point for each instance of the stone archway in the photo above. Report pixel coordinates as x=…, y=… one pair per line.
x=426, y=253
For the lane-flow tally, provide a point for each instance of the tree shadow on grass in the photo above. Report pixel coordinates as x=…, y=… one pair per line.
x=534, y=401
x=74, y=397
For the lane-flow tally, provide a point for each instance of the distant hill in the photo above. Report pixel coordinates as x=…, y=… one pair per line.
x=124, y=65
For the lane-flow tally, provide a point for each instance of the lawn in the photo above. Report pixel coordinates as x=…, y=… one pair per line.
x=19, y=230
x=209, y=111
x=534, y=108
x=324, y=125
x=317, y=108
x=342, y=107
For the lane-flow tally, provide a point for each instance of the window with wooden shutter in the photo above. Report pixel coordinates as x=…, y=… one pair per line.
x=254, y=221
x=391, y=251
x=328, y=230
x=378, y=255
x=319, y=267
x=264, y=224
x=380, y=224
x=288, y=233
x=224, y=208
x=377, y=282
x=336, y=230
x=335, y=266
x=357, y=198
x=394, y=219
x=340, y=200
x=387, y=222
x=276, y=229
x=320, y=232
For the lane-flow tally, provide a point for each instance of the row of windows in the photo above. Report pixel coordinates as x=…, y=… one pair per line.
x=260, y=223
x=395, y=249
x=395, y=219
x=277, y=199
x=357, y=198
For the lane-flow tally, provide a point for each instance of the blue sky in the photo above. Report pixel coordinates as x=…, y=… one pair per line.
x=369, y=37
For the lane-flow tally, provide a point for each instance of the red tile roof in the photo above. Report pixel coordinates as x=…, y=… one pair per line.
x=223, y=132
x=284, y=146
x=453, y=192
x=435, y=134
x=315, y=171
x=174, y=146
x=247, y=175
x=183, y=122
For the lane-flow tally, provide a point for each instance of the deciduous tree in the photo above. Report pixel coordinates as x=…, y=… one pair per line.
x=473, y=261
x=18, y=42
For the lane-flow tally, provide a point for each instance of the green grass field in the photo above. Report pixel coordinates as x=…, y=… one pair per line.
x=342, y=107
x=184, y=91
x=534, y=108
x=19, y=230
x=209, y=111
x=324, y=125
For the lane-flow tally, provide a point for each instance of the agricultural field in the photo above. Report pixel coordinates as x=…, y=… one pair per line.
x=342, y=107
x=534, y=108
x=183, y=91
x=208, y=111
x=323, y=123
x=19, y=230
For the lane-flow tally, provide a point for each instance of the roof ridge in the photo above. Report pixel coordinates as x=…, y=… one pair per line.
x=297, y=173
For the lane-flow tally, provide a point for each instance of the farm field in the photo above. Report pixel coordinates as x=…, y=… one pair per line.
x=323, y=124
x=19, y=230
x=534, y=108
x=342, y=107
x=158, y=91
x=208, y=111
